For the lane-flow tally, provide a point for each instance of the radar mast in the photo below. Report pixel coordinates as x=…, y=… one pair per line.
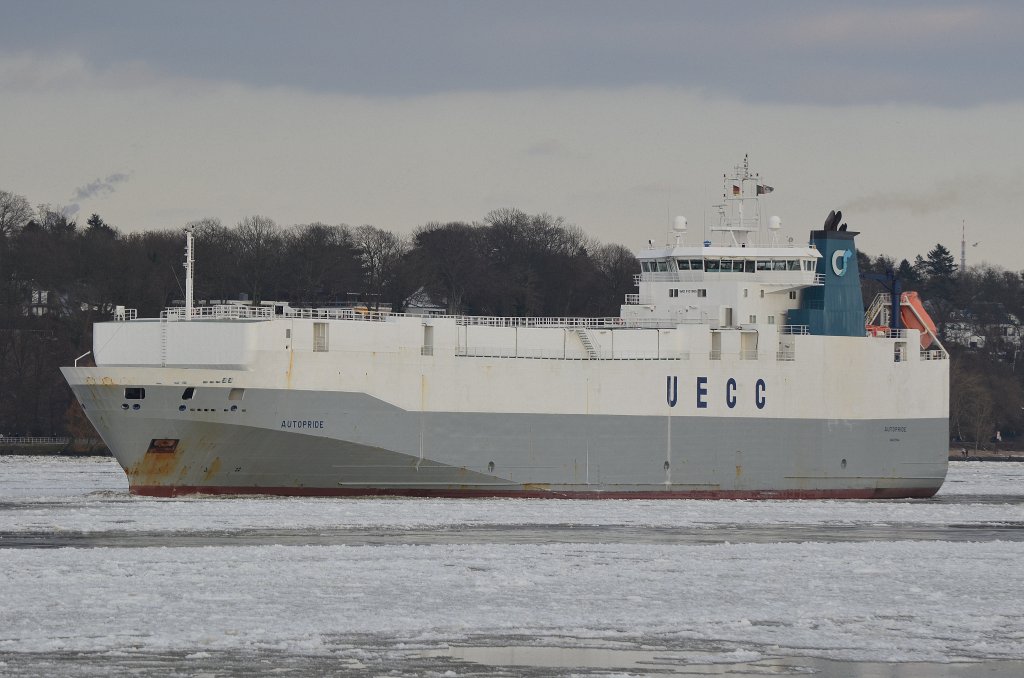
x=740, y=211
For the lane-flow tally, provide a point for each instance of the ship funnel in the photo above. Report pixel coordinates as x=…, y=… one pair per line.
x=836, y=307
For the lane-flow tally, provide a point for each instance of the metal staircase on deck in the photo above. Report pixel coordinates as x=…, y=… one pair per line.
x=880, y=310
x=588, y=345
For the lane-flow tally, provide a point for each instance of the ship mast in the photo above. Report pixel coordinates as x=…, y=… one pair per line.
x=740, y=211
x=189, y=264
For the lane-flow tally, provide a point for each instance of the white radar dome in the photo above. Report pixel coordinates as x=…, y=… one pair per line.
x=775, y=223
x=679, y=225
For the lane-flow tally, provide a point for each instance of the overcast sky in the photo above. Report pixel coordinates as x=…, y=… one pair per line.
x=614, y=115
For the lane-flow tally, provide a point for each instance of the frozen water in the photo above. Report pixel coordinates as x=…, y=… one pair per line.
x=336, y=585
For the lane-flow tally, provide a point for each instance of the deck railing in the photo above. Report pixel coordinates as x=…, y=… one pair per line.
x=33, y=440
x=555, y=354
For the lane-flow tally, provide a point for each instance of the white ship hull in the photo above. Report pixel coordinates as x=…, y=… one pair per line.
x=376, y=416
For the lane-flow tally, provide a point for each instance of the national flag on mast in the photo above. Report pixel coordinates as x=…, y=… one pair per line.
x=764, y=188
x=735, y=189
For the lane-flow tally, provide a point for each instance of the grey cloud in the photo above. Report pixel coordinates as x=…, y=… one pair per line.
x=945, y=52
x=942, y=196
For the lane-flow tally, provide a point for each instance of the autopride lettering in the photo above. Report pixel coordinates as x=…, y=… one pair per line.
x=302, y=423
x=734, y=391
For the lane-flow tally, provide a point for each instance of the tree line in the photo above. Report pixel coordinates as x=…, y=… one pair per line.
x=59, y=277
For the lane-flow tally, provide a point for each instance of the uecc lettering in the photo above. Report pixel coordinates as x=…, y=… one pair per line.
x=732, y=391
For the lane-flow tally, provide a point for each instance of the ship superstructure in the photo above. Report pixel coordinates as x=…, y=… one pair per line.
x=740, y=368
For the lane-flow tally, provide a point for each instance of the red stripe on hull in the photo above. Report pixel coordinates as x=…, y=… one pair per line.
x=454, y=493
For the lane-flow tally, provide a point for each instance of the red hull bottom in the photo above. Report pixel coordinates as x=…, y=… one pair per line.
x=454, y=493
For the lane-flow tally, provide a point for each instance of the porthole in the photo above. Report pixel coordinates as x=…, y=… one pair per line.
x=136, y=406
x=181, y=408
x=234, y=408
x=124, y=406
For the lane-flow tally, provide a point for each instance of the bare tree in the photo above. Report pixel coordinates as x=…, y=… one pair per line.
x=15, y=212
x=259, y=247
x=448, y=258
x=322, y=262
x=381, y=253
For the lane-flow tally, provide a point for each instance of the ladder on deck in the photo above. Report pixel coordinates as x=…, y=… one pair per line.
x=588, y=345
x=163, y=342
x=881, y=306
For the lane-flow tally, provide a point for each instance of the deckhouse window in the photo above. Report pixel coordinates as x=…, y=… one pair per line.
x=793, y=264
x=779, y=265
x=134, y=393
x=713, y=265
x=188, y=393
x=764, y=265
x=662, y=266
x=645, y=266
x=684, y=264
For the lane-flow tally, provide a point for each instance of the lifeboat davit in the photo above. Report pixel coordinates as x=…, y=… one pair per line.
x=913, y=316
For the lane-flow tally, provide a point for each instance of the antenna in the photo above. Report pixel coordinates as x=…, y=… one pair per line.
x=189, y=264
x=963, y=246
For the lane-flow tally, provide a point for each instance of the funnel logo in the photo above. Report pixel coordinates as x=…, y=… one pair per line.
x=839, y=260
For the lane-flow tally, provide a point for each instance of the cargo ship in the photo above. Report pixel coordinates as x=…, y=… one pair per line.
x=743, y=367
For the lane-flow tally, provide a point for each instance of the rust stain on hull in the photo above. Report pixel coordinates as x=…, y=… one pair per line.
x=158, y=466
x=212, y=469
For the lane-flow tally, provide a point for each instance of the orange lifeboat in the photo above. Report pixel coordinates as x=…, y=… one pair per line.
x=913, y=316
